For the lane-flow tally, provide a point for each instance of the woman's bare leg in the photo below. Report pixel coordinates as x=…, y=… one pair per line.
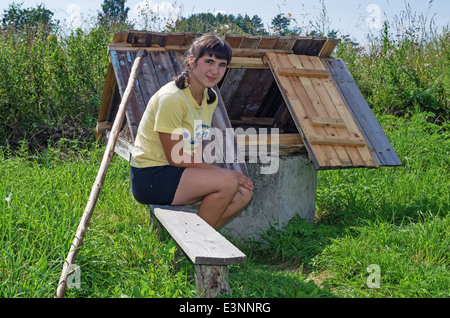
x=240, y=200
x=218, y=191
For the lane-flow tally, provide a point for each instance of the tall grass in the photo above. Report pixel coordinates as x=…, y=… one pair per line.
x=42, y=199
x=404, y=69
x=51, y=85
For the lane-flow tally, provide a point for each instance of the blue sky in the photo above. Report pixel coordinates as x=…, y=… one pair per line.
x=354, y=17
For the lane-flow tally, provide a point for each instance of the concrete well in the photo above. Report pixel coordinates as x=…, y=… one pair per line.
x=277, y=198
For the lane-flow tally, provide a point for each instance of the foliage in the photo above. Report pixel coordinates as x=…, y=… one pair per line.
x=21, y=19
x=114, y=10
x=281, y=25
x=51, y=86
x=219, y=23
x=405, y=69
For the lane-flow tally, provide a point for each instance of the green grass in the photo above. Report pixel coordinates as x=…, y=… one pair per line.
x=396, y=218
x=43, y=199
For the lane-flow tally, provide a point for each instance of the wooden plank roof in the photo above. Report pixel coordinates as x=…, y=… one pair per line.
x=242, y=45
x=290, y=83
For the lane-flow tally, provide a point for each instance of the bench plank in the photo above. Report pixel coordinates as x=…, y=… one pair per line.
x=201, y=242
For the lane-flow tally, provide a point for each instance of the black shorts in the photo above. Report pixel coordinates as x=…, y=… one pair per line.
x=155, y=185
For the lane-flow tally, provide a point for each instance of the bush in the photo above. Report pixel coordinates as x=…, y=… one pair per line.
x=51, y=85
x=403, y=71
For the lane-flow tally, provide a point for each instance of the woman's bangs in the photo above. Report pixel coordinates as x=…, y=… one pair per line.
x=220, y=50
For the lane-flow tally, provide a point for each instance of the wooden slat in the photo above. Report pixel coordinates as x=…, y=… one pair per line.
x=283, y=139
x=201, y=243
x=148, y=79
x=328, y=122
x=308, y=46
x=285, y=43
x=241, y=45
x=253, y=121
x=230, y=85
x=234, y=40
x=335, y=107
x=302, y=72
x=122, y=66
x=328, y=47
x=120, y=37
x=139, y=38
x=247, y=87
x=123, y=148
x=337, y=155
x=175, y=39
x=251, y=52
x=336, y=141
x=250, y=42
x=287, y=144
x=326, y=106
x=247, y=63
x=360, y=156
x=268, y=42
x=256, y=96
x=107, y=99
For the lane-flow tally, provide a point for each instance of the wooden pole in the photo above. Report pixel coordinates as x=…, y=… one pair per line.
x=112, y=140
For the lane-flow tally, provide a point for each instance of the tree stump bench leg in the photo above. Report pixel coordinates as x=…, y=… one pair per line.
x=211, y=280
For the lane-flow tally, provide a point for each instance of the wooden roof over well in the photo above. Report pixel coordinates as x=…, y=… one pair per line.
x=290, y=83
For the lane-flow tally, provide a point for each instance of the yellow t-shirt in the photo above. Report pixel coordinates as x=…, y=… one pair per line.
x=174, y=111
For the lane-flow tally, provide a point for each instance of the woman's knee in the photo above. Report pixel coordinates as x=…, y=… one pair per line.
x=228, y=181
x=246, y=196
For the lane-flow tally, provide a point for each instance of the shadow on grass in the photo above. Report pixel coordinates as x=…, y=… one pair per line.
x=252, y=280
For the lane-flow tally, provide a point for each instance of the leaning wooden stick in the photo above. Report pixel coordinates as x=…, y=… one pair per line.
x=112, y=140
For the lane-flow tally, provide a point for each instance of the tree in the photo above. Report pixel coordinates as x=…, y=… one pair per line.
x=281, y=25
x=220, y=23
x=21, y=19
x=114, y=11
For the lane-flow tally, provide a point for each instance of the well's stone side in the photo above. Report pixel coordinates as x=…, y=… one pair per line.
x=277, y=197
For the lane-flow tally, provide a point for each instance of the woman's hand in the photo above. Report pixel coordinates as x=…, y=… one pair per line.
x=244, y=183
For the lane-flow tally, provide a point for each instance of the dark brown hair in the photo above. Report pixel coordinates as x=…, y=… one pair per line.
x=210, y=44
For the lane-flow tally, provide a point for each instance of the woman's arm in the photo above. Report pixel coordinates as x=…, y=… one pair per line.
x=173, y=150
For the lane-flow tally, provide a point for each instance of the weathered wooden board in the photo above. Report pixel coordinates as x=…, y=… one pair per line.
x=201, y=242
x=242, y=45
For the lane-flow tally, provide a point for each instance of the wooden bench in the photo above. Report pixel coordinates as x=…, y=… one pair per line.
x=207, y=249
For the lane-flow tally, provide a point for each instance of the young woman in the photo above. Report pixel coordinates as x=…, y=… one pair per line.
x=176, y=121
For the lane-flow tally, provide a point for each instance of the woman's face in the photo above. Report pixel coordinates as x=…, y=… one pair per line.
x=208, y=70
